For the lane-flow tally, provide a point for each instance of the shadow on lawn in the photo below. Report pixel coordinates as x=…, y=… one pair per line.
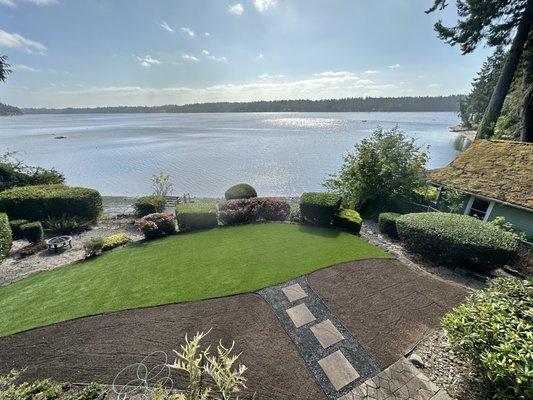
x=323, y=231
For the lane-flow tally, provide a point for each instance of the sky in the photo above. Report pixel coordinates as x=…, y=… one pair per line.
x=86, y=53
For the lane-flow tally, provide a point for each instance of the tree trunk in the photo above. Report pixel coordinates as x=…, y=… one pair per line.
x=486, y=127
x=526, y=134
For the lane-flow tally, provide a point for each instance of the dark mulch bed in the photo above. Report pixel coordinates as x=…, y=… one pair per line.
x=97, y=348
x=387, y=306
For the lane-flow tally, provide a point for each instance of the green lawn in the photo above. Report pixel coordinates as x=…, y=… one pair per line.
x=185, y=267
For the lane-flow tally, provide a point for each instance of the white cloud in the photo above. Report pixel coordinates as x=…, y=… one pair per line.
x=212, y=57
x=263, y=5
x=13, y=40
x=9, y=3
x=371, y=72
x=188, y=31
x=43, y=2
x=236, y=9
x=22, y=67
x=260, y=56
x=148, y=61
x=335, y=74
x=190, y=57
x=435, y=85
x=265, y=77
x=166, y=27
x=394, y=66
x=207, y=34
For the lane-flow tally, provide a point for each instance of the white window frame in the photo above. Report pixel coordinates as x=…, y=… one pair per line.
x=468, y=207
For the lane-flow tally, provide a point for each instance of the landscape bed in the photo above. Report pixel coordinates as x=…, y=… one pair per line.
x=185, y=267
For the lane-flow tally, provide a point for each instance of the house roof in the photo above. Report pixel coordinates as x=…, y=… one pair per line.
x=499, y=169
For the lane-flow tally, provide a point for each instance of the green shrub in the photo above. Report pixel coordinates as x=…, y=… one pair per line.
x=456, y=239
x=5, y=237
x=116, y=240
x=196, y=216
x=65, y=225
x=39, y=203
x=350, y=220
x=234, y=212
x=387, y=223
x=494, y=331
x=15, y=228
x=319, y=208
x=156, y=225
x=240, y=191
x=32, y=232
x=93, y=246
x=149, y=205
x=14, y=172
x=295, y=214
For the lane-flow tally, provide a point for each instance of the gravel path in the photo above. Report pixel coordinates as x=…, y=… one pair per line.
x=14, y=268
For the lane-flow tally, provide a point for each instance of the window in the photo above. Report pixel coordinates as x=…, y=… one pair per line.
x=479, y=208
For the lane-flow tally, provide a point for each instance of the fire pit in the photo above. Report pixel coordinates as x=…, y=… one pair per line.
x=59, y=242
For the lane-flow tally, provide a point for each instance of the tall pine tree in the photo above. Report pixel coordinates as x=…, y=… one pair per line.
x=498, y=22
x=4, y=68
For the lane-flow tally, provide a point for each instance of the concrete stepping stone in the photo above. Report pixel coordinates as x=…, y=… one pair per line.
x=300, y=315
x=338, y=370
x=326, y=333
x=294, y=292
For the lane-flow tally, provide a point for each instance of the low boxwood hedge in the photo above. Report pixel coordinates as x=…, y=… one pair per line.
x=39, y=203
x=319, y=208
x=32, y=232
x=149, y=205
x=456, y=239
x=240, y=191
x=5, y=236
x=387, y=223
x=196, y=216
x=493, y=330
x=349, y=220
x=15, y=228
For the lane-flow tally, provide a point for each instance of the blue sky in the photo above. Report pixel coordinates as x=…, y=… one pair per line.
x=151, y=52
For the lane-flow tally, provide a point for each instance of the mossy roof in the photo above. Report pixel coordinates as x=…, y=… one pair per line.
x=498, y=169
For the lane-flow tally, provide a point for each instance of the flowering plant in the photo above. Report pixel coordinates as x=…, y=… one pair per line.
x=156, y=225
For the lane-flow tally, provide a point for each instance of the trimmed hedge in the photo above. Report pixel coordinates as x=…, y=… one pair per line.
x=5, y=237
x=116, y=240
x=319, y=208
x=350, y=220
x=387, y=223
x=243, y=211
x=493, y=331
x=240, y=191
x=15, y=228
x=32, y=232
x=456, y=239
x=39, y=203
x=149, y=205
x=196, y=216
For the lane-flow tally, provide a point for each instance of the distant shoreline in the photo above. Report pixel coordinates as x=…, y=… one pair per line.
x=468, y=133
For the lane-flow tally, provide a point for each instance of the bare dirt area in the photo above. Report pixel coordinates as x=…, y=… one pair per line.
x=14, y=267
x=388, y=306
x=97, y=348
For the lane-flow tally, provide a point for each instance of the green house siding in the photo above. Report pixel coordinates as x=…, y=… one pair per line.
x=521, y=219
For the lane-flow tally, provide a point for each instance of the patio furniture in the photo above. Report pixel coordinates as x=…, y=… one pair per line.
x=59, y=242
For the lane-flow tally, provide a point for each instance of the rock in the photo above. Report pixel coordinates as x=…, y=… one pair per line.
x=416, y=360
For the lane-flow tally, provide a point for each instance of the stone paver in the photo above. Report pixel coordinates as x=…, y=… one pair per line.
x=400, y=381
x=326, y=333
x=338, y=370
x=300, y=315
x=337, y=360
x=294, y=292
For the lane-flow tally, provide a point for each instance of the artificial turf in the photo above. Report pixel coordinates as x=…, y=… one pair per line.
x=193, y=266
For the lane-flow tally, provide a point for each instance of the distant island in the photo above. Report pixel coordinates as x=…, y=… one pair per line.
x=9, y=110
x=354, y=104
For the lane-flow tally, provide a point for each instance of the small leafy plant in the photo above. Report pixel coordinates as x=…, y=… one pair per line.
x=116, y=240
x=32, y=232
x=93, y=246
x=162, y=184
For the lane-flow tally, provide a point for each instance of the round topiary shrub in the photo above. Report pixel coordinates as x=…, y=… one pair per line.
x=387, y=223
x=149, y=205
x=456, y=239
x=240, y=191
x=32, y=232
x=5, y=236
x=15, y=228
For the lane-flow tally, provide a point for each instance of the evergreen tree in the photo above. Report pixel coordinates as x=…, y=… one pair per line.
x=495, y=21
x=4, y=68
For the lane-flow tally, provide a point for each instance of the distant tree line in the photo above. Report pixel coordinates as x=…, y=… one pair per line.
x=9, y=110
x=364, y=104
